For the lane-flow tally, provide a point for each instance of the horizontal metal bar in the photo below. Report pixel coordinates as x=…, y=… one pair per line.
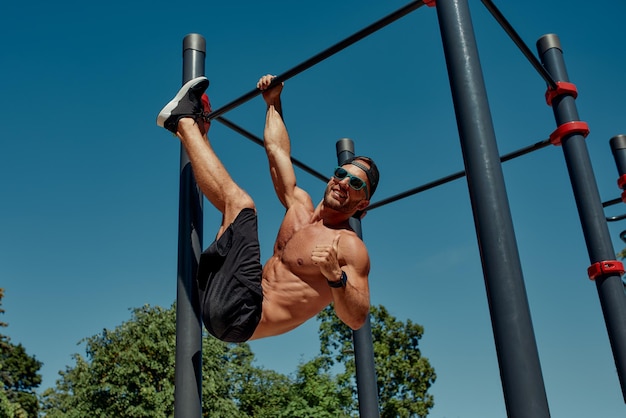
x=259, y=141
x=455, y=176
x=534, y=61
x=323, y=55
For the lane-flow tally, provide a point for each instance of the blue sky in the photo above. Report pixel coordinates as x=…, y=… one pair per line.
x=89, y=183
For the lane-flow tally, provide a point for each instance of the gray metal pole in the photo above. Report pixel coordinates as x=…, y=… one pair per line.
x=595, y=229
x=188, y=377
x=618, y=148
x=367, y=387
x=520, y=370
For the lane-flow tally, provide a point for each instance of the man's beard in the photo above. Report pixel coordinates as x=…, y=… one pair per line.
x=347, y=206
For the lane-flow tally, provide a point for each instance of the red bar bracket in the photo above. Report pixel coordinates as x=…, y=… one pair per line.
x=569, y=128
x=562, y=88
x=430, y=3
x=621, y=182
x=605, y=268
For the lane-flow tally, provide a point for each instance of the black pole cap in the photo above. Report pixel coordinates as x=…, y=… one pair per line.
x=194, y=41
x=547, y=42
x=345, y=150
x=618, y=142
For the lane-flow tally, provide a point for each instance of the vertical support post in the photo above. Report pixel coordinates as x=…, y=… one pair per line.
x=618, y=148
x=188, y=375
x=520, y=371
x=595, y=229
x=366, y=381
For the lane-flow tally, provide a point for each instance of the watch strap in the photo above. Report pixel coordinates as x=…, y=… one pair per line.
x=339, y=283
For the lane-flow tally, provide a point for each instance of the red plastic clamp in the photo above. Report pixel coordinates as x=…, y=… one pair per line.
x=605, y=268
x=430, y=3
x=562, y=88
x=621, y=182
x=569, y=128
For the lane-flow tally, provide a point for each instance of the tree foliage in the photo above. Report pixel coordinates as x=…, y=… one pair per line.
x=19, y=377
x=403, y=375
x=129, y=372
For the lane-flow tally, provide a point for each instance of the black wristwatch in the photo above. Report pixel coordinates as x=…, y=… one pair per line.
x=339, y=283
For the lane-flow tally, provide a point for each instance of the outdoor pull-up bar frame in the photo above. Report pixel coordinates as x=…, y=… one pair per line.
x=515, y=342
x=188, y=397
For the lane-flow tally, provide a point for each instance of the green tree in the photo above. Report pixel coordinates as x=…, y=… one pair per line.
x=403, y=375
x=313, y=393
x=317, y=393
x=19, y=376
x=129, y=372
x=6, y=407
x=260, y=393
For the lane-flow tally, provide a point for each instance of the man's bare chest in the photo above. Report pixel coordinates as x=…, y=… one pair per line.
x=295, y=244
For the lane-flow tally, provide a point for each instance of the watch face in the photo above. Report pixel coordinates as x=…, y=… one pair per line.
x=343, y=278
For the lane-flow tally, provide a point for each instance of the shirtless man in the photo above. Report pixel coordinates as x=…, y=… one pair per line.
x=317, y=259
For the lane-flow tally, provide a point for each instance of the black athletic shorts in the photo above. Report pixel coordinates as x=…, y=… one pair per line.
x=229, y=281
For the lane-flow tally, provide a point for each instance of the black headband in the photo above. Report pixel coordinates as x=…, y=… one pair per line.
x=372, y=178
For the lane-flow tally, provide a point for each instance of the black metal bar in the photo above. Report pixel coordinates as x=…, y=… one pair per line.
x=611, y=202
x=379, y=24
x=366, y=382
x=520, y=370
x=259, y=141
x=595, y=229
x=188, y=373
x=534, y=61
x=454, y=176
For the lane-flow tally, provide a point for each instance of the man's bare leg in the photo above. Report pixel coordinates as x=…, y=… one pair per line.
x=181, y=116
x=211, y=175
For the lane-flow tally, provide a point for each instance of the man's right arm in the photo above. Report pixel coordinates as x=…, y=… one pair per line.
x=278, y=147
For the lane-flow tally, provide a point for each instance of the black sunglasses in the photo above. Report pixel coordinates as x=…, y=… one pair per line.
x=355, y=182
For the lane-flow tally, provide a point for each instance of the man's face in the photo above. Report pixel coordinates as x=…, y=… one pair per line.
x=340, y=196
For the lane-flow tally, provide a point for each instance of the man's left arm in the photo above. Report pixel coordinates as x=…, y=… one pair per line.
x=345, y=264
